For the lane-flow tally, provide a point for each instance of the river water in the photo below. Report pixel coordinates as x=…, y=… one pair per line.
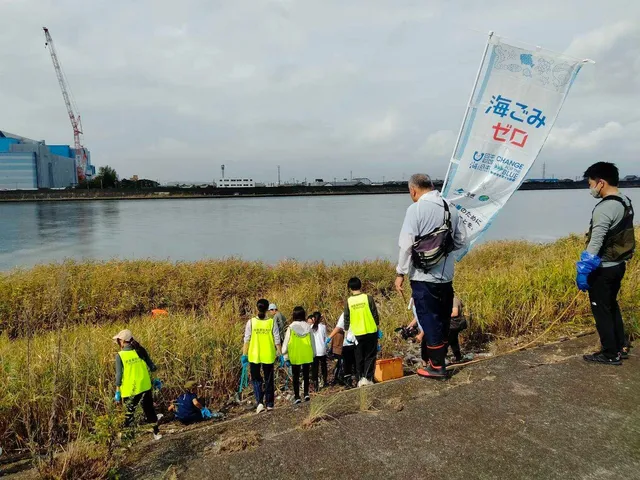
x=329, y=228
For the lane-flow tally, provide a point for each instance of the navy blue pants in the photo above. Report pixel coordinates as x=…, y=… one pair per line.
x=434, y=302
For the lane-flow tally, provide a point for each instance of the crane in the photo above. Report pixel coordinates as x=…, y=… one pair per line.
x=74, y=117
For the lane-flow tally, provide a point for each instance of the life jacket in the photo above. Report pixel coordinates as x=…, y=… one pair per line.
x=620, y=241
x=135, y=374
x=262, y=346
x=361, y=318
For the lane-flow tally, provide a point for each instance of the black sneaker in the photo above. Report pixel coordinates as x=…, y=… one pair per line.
x=600, y=357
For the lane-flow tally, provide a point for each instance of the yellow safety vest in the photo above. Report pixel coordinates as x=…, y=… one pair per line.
x=360, y=315
x=262, y=346
x=299, y=349
x=135, y=374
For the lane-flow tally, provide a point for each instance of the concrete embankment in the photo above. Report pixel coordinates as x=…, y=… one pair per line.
x=541, y=413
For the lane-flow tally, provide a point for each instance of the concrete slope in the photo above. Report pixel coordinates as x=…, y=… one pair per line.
x=543, y=413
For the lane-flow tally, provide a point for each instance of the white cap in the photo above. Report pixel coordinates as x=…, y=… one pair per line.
x=124, y=335
x=273, y=306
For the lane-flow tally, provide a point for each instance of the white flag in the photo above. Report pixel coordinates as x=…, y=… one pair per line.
x=515, y=101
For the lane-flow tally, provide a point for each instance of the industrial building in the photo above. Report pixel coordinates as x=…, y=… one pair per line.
x=236, y=183
x=29, y=164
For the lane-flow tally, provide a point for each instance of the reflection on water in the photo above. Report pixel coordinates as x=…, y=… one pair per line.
x=333, y=229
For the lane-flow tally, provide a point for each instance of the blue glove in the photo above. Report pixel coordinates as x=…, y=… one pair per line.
x=379, y=334
x=587, y=264
x=281, y=361
x=157, y=383
x=327, y=341
x=244, y=360
x=287, y=364
x=118, y=396
x=206, y=413
x=379, y=348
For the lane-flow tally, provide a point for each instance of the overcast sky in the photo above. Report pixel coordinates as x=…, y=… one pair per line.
x=170, y=90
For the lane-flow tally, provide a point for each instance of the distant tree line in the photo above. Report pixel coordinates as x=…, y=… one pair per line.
x=107, y=177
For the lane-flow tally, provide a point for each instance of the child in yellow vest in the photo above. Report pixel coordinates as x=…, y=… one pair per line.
x=361, y=317
x=260, y=350
x=299, y=349
x=133, y=382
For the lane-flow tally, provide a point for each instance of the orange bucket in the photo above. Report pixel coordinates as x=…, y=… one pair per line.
x=388, y=369
x=158, y=311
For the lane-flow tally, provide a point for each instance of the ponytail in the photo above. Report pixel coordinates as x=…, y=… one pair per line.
x=263, y=306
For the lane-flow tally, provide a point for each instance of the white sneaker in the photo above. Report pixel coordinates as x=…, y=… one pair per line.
x=361, y=382
x=159, y=416
x=368, y=382
x=157, y=436
x=260, y=408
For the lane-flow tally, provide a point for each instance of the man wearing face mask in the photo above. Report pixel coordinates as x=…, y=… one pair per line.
x=610, y=244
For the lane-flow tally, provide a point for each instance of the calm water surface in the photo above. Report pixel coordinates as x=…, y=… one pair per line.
x=333, y=229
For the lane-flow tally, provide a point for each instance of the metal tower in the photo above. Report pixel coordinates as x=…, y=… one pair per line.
x=74, y=117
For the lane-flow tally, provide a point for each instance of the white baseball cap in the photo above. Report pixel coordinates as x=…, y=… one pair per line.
x=124, y=335
x=273, y=306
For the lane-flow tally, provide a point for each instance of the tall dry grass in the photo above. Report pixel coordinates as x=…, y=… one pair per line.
x=56, y=356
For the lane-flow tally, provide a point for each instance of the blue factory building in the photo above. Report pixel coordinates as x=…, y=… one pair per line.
x=28, y=164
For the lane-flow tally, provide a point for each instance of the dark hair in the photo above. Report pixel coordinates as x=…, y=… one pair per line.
x=603, y=171
x=298, y=315
x=317, y=318
x=263, y=306
x=354, y=283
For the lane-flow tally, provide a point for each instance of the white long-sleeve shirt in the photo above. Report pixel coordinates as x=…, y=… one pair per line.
x=423, y=217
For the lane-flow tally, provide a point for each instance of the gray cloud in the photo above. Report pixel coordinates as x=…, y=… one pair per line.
x=172, y=90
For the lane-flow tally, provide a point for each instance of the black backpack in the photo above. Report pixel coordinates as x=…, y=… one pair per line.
x=429, y=249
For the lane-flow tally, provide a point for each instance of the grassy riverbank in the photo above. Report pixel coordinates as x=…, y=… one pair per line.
x=56, y=356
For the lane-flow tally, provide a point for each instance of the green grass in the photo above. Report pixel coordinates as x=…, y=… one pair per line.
x=56, y=353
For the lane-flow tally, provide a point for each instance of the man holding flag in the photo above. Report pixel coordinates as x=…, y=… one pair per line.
x=430, y=232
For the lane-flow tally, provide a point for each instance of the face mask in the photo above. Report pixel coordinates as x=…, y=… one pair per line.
x=595, y=193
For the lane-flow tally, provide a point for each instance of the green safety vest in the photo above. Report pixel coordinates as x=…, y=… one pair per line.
x=135, y=374
x=299, y=349
x=362, y=321
x=262, y=346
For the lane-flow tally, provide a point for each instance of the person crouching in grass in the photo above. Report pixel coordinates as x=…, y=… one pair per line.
x=299, y=350
x=189, y=408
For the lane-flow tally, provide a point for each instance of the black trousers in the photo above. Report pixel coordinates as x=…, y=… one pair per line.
x=262, y=388
x=454, y=343
x=322, y=363
x=147, y=407
x=365, y=353
x=295, y=369
x=604, y=285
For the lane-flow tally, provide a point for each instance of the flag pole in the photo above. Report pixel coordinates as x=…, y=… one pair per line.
x=466, y=113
